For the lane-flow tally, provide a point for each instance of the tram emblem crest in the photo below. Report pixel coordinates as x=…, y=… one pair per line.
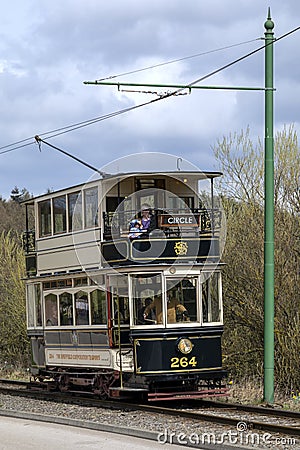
x=181, y=248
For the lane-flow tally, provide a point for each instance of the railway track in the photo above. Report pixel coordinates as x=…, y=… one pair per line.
x=241, y=417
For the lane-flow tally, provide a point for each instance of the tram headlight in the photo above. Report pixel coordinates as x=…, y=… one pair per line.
x=185, y=346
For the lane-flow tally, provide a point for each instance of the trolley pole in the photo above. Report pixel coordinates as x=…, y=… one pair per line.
x=269, y=218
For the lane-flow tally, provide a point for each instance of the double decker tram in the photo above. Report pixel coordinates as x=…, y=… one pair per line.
x=124, y=292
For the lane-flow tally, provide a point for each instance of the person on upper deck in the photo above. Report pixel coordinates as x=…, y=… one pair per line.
x=136, y=229
x=147, y=219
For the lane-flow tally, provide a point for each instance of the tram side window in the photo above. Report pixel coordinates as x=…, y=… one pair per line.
x=65, y=309
x=91, y=208
x=59, y=214
x=147, y=299
x=182, y=300
x=98, y=307
x=38, y=305
x=44, y=214
x=34, y=305
x=75, y=211
x=30, y=305
x=211, y=304
x=51, y=310
x=82, y=308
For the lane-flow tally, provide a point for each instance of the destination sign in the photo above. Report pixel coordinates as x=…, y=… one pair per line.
x=178, y=220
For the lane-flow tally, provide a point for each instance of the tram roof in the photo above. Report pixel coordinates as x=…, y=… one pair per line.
x=195, y=175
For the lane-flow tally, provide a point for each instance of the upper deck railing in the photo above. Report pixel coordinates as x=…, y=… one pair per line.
x=172, y=222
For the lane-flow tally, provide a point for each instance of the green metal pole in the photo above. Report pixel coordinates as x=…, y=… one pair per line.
x=171, y=86
x=269, y=218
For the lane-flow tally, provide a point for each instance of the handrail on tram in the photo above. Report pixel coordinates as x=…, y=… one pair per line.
x=173, y=222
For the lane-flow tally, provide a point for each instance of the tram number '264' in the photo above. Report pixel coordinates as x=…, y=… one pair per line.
x=178, y=363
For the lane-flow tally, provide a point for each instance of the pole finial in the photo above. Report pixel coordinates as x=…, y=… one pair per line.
x=269, y=24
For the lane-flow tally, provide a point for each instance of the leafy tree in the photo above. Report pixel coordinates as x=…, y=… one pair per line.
x=12, y=213
x=14, y=347
x=19, y=196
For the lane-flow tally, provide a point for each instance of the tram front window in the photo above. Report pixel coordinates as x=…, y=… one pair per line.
x=182, y=300
x=147, y=299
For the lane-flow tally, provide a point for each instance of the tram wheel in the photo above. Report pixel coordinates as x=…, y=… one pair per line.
x=63, y=383
x=102, y=384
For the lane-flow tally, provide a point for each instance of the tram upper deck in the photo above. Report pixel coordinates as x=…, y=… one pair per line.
x=86, y=227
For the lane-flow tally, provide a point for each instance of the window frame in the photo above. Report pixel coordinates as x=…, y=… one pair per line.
x=132, y=298
x=41, y=227
x=31, y=305
x=55, y=214
x=94, y=220
x=74, y=207
x=205, y=278
x=59, y=295
x=48, y=326
x=184, y=324
x=87, y=212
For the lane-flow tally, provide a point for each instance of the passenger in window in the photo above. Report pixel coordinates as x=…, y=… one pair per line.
x=135, y=230
x=52, y=320
x=176, y=312
x=66, y=315
x=157, y=306
x=147, y=220
x=150, y=317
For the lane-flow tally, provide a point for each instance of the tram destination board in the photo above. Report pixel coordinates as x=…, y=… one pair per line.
x=175, y=220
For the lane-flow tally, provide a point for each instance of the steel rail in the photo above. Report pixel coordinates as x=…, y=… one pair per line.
x=78, y=398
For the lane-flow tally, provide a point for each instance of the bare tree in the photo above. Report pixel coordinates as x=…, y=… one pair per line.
x=242, y=188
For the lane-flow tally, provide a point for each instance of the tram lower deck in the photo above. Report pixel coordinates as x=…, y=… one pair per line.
x=166, y=326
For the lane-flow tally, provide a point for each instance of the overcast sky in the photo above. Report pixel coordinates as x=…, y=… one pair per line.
x=48, y=48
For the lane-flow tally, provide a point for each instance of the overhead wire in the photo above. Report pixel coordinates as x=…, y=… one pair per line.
x=73, y=127
x=91, y=121
x=130, y=72
x=16, y=148
x=154, y=66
